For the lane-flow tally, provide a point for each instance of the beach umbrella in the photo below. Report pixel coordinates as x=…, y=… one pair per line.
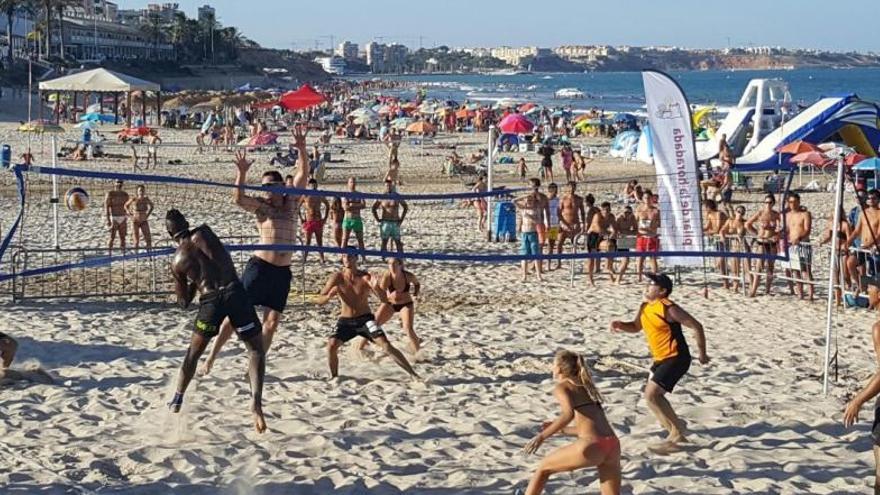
x=87, y=124
x=526, y=107
x=854, y=159
x=798, y=147
x=96, y=117
x=464, y=113
x=814, y=158
x=263, y=139
x=516, y=124
x=420, y=127
x=869, y=164
x=304, y=97
x=364, y=112
x=401, y=123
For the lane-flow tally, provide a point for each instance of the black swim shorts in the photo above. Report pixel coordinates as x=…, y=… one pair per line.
x=230, y=301
x=593, y=240
x=266, y=284
x=364, y=326
x=668, y=372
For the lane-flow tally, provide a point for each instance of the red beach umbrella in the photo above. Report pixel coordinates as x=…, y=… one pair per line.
x=516, y=124
x=814, y=158
x=304, y=97
x=798, y=147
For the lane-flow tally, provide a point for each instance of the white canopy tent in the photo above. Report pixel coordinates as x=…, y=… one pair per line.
x=103, y=81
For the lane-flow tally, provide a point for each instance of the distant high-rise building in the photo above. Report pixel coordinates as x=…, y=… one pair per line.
x=347, y=50
x=207, y=13
x=375, y=56
x=395, y=57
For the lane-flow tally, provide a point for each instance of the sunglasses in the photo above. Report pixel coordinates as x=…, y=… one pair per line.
x=270, y=184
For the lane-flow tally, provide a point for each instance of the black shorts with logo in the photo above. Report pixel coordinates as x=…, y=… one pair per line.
x=232, y=302
x=349, y=328
x=668, y=372
x=266, y=284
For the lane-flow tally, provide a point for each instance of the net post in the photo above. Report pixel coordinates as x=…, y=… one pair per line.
x=54, y=199
x=490, y=158
x=832, y=272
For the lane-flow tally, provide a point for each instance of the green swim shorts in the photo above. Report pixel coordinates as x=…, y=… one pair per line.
x=389, y=229
x=355, y=224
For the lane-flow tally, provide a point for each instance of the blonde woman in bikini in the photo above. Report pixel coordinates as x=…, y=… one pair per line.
x=336, y=215
x=765, y=225
x=733, y=235
x=596, y=443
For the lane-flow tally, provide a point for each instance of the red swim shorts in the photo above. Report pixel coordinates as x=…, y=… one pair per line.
x=645, y=244
x=312, y=226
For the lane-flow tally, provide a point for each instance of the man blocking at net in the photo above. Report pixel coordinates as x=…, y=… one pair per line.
x=266, y=278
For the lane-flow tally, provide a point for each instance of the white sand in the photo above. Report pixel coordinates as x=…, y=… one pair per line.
x=759, y=422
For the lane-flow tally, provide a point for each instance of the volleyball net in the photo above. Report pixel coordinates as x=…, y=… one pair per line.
x=56, y=250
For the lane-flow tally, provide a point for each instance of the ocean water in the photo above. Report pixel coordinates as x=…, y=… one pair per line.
x=623, y=91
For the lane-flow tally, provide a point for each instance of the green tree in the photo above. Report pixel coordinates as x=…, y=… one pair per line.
x=9, y=7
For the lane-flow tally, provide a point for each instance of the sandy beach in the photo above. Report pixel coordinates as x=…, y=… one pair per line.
x=758, y=420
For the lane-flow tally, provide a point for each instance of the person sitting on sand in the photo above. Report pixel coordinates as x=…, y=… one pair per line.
x=8, y=347
x=202, y=265
x=353, y=287
x=596, y=444
x=661, y=320
x=139, y=209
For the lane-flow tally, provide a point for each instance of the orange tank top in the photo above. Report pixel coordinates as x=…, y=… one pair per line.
x=665, y=338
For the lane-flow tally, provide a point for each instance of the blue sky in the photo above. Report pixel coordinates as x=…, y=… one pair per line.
x=790, y=23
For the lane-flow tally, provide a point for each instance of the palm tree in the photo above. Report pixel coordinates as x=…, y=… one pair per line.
x=60, y=6
x=9, y=7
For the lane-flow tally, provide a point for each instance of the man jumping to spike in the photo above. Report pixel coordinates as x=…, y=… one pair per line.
x=202, y=265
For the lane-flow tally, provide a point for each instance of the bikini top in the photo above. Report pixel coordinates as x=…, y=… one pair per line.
x=406, y=284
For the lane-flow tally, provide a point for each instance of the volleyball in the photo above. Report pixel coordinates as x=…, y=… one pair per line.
x=76, y=198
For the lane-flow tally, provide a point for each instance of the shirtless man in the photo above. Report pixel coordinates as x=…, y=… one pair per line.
x=627, y=229
x=353, y=287
x=202, y=265
x=714, y=220
x=353, y=221
x=867, y=229
x=153, y=142
x=313, y=217
x=393, y=174
x=532, y=209
x=266, y=277
x=799, y=222
x=117, y=220
x=553, y=223
x=647, y=241
x=602, y=229
x=140, y=208
x=391, y=217
x=571, y=215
